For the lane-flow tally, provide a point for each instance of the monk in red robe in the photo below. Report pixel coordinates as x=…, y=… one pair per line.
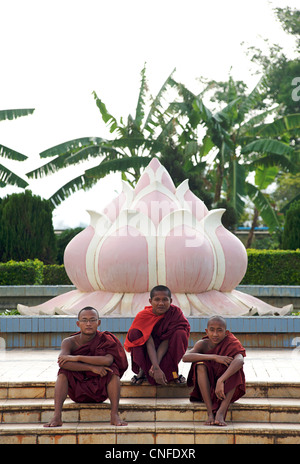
x=217, y=370
x=91, y=365
x=157, y=340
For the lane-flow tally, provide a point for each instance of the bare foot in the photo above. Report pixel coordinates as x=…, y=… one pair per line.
x=210, y=420
x=115, y=420
x=55, y=422
x=220, y=420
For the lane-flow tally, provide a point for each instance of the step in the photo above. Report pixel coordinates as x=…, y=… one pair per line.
x=151, y=433
x=268, y=414
x=150, y=409
x=45, y=389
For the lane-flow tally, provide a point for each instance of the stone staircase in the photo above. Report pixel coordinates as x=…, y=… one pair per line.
x=268, y=414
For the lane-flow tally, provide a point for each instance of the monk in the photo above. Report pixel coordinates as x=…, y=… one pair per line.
x=91, y=365
x=217, y=370
x=157, y=340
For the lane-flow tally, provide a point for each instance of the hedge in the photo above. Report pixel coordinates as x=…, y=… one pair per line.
x=32, y=272
x=265, y=267
x=29, y=272
x=272, y=267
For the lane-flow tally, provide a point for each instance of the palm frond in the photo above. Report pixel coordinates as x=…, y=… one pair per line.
x=70, y=187
x=70, y=146
x=117, y=165
x=16, y=113
x=267, y=146
x=140, y=112
x=155, y=110
x=262, y=204
x=250, y=101
x=11, y=154
x=278, y=127
x=273, y=160
x=10, y=178
x=108, y=118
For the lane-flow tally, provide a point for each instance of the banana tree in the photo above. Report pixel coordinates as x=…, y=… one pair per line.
x=136, y=141
x=237, y=143
x=8, y=177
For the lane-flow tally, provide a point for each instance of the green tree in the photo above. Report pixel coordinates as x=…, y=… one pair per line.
x=238, y=141
x=7, y=177
x=62, y=241
x=26, y=230
x=137, y=140
x=282, y=72
x=291, y=232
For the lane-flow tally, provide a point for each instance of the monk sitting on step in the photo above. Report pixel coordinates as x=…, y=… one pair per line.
x=157, y=340
x=91, y=365
x=217, y=370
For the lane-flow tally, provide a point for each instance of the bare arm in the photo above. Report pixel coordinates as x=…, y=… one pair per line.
x=81, y=363
x=235, y=366
x=156, y=357
x=196, y=354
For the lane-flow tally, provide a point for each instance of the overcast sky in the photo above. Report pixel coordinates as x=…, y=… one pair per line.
x=54, y=54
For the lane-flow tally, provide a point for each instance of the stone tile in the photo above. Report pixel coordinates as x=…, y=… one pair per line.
x=214, y=437
x=285, y=416
x=174, y=415
x=136, y=438
x=94, y=415
x=179, y=438
x=57, y=439
x=28, y=392
x=18, y=440
x=250, y=415
x=21, y=416
x=96, y=438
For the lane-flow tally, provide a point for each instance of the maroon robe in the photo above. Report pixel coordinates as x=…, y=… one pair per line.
x=86, y=386
x=229, y=346
x=173, y=327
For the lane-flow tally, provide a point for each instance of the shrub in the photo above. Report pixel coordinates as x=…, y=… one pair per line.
x=54, y=274
x=29, y=272
x=291, y=231
x=272, y=267
x=26, y=229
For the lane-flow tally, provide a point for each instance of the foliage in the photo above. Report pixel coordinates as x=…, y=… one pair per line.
x=272, y=267
x=291, y=231
x=8, y=177
x=26, y=230
x=238, y=140
x=137, y=140
x=54, y=274
x=265, y=267
x=62, y=241
x=29, y=272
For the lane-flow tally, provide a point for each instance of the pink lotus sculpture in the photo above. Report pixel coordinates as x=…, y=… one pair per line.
x=156, y=234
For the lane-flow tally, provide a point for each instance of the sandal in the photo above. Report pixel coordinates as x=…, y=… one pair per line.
x=137, y=380
x=180, y=379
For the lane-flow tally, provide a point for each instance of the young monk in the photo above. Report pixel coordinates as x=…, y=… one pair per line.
x=91, y=365
x=217, y=370
x=157, y=340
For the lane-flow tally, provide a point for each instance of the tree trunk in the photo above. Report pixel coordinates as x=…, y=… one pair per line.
x=254, y=224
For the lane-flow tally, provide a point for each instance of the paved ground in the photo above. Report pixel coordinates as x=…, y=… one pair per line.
x=41, y=365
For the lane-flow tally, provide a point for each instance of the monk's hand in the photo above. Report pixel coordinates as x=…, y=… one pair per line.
x=62, y=359
x=224, y=360
x=101, y=370
x=219, y=391
x=159, y=376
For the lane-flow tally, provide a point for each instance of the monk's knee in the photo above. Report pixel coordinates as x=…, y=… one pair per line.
x=201, y=369
x=134, y=334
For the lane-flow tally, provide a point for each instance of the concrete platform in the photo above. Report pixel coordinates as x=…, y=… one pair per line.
x=263, y=365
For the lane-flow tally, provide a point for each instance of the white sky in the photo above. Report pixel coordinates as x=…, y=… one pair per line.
x=55, y=53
